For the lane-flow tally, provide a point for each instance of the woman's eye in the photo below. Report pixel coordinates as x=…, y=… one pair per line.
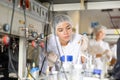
x=60, y=30
x=68, y=27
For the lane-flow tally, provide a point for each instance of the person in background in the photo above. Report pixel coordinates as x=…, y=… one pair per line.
x=63, y=42
x=100, y=49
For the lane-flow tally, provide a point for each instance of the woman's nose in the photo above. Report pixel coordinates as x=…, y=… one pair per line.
x=65, y=31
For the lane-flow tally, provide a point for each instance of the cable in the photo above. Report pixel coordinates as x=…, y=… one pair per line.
x=57, y=42
x=12, y=17
x=42, y=65
x=46, y=34
x=112, y=22
x=25, y=25
x=51, y=15
x=26, y=35
x=11, y=25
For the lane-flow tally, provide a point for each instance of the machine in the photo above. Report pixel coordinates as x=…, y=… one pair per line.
x=21, y=22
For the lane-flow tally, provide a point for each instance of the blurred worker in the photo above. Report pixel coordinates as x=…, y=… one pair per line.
x=62, y=42
x=100, y=49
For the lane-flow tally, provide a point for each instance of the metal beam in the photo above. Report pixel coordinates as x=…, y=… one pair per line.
x=82, y=4
x=89, y=6
x=22, y=58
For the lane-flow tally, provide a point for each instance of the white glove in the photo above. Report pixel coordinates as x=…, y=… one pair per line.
x=84, y=43
x=52, y=58
x=107, y=54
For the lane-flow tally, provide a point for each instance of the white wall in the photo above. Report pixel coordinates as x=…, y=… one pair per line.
x=75, y=16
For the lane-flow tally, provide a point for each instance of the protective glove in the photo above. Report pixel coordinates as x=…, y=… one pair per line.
x=52, y=58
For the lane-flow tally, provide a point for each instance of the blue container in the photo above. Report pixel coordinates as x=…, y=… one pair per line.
x=34, y=69
x=69, y=58
x=62, y=58
x=97, y=71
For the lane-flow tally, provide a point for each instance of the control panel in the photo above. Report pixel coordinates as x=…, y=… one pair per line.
x=35, y=13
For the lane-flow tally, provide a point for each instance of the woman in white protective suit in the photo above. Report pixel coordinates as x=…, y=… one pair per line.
x=61, y=44
x=100, y=49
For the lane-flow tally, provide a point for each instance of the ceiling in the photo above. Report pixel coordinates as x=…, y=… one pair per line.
x=66, y=5
x=73, y=1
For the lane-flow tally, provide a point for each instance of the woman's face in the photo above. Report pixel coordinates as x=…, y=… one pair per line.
x=100, y=35
x=64, y=32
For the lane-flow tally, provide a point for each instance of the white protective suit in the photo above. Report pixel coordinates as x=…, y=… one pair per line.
x=73, y=48
x=100, y=47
